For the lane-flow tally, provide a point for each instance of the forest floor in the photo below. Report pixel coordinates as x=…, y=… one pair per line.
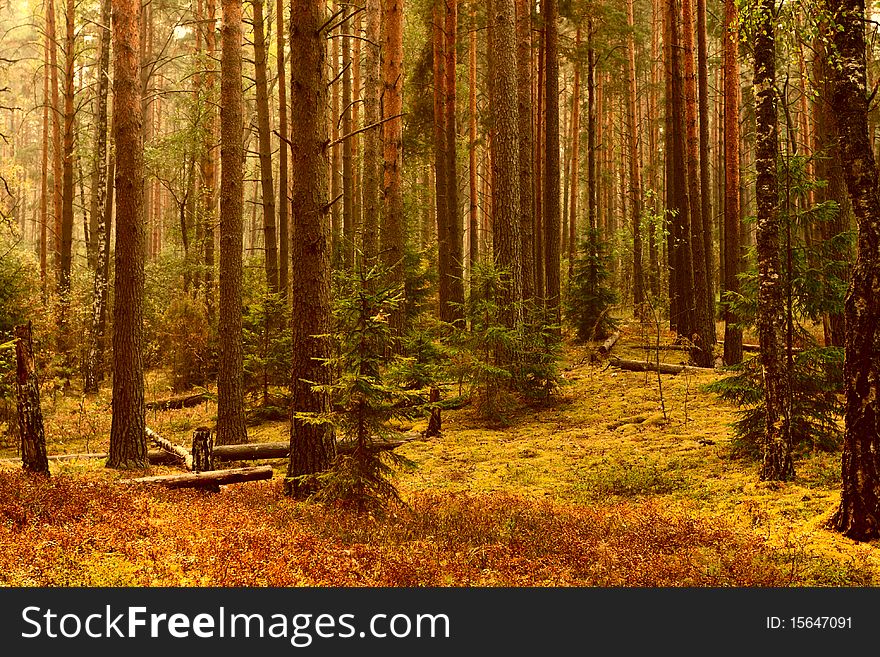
x=597, y=488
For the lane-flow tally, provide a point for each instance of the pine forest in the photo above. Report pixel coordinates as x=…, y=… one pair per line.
x=439, y=293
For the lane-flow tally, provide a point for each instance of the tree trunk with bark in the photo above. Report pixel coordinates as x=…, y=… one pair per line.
x=312, y=446
x=283, y=131
x=506, y=218
x=551, y=169
x=372, y=146
x=99, y=203
x=635, y=174
x=453, y=211
x=231, y=427
x=128, y=443
x=393, y=228
x=30, y=415
x=777, y=460
x=702, y=333
x=526, y=131
x=732, y=221
x=858, y=516
x=267, y=185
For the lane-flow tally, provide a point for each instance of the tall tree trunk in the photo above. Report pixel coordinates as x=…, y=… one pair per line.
x=348, y=228
x=207, y=165
x=575, y=158
x=828, y=168
x=267, y=185
x=732, y=237
x=393, y=228
x=312, y=446
x=371, y=166
x=67, y=188
x=447, y=310
x=635, y=174
x=858, y=516
x=506, y=218
x=777, y=460
x=44, y=176
x=57, y=156
x=526, y=131
x=473, y=205
x=538, y=187
x=592, y=195
x=336, y=151
x=283, y=131
x=99, y=292
x=453, y=217
x=551, y=168
x=703, y=330
x=705, y=186
x=128, y=442
x=681, y=280
x=231, y=427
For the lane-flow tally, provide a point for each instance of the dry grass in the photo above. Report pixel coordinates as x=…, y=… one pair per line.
x=556, y=498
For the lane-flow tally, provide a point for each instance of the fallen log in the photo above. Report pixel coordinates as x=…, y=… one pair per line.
x=155, y=456
x=176, y=403
x=212, y=479
x=663, y=368
x=606, y=347
x=279, y=450
x=180, y=453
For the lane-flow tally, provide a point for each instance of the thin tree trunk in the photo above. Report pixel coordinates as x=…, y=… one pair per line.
x=705, y=186
x=312, y=446
x=207, y=165
x=371, y=166
x=447, y=311
x=128, y=443
x=67, y=187
x=348, y=229
x=99, y=291
x=454, y=225
x=231, y=427
x=44, y=176
x=703, y=329
x=55, y=114
x=575, y=159
x=393, y=229
x=732, y=238
x=635, y=174
x=526, y=146
x=283, y=131
x=551, y=182
x=777, y=460
x=473, y=220
x=267, y=185
x=538, y=229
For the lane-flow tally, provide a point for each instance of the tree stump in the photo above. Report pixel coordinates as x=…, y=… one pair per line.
x=30, y=416
x=202, y=450
x=434, y=421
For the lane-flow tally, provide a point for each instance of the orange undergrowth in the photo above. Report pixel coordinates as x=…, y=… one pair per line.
x=71, y=532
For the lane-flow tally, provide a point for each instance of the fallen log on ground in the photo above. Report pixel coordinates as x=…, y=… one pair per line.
x=663, y=368
x=180, y=453
x=176, y=403
x=212, y=479
x=606, y=347
x=155, y=456
x=279, y=450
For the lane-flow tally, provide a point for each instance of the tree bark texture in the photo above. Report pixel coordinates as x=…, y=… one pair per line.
x=312, y=446
x=30, y=415
x=858, y=516
x=128, y=444
x=777, y=461
x=231, y=428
